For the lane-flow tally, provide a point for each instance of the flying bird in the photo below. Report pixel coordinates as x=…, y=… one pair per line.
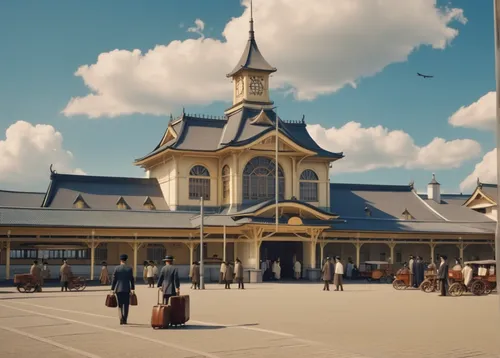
x=424, y=76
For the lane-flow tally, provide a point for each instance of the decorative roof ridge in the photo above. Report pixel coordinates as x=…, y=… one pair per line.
x=374, y=187
x=96, y=178
x=205, y=117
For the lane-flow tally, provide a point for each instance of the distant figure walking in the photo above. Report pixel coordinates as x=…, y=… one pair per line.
x=169, y=280
x=263, y=269
x=228, y=275
x=123, y=286
x=410, y=267
x=339, y=272
x=277, y=270
x=418, y=270
x=150, y=275
x=349, y=268
x=467, y=274
x=443, y=275
x=36, y=272
x=45, y=271
x=104, y=277
x=66, y=274
x=297, y=268
x=327, y=274
x=222, y=272
x=145, y=272
x=238, y=274
x=195, y=275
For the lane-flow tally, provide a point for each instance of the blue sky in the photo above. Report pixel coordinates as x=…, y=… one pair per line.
x=44, y=43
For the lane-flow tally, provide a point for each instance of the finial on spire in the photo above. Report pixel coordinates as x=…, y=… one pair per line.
x=252, y=34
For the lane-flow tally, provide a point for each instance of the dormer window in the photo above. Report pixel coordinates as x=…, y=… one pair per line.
x=406, y=215
x=148, y=204
x=121, y=204
x=80, y=203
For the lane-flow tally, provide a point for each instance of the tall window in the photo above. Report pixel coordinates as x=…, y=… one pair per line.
x=308, y=186
x=259, y=178
x=226, y=180
x=199, y=183
x=156, y=252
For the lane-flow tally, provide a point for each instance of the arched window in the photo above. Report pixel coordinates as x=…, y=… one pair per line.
x=259, y=178
x=308, y=185
x=199, y=182
x=226, y=180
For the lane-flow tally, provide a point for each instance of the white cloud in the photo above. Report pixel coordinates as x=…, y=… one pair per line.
x=378, y=147
x=27, y=152
x=198, y=28
x=319, y=46
x=480, y=114
x=485, y=170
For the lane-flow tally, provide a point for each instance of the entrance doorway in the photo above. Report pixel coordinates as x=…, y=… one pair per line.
x=286, y=251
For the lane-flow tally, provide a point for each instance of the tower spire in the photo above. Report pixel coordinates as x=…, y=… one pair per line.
x=251, y=33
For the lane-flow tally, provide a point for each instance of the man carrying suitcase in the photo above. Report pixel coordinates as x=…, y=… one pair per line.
x=169, y=279
x=123, y=285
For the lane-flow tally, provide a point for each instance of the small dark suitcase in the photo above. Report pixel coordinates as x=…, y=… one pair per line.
x=133, y=299
x=160, y=318
x=179, y=309
x=111, y=301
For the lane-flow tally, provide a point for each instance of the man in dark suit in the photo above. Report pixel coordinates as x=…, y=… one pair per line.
x=169, y=280
x=442, y=275
x=123, y=286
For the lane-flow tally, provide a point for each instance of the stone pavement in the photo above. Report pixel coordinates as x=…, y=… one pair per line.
x=266, y=320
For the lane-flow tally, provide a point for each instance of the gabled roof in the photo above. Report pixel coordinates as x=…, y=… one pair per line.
x=256, y=209
x=103, y=192
x=21, y=198
x=252, y=59
x=487, y=191
x=237, y=129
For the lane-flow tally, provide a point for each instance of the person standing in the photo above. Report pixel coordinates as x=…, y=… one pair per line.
x=195, y=275
x=418, y=270
x=457, y=266
x=123, y=286
x=467, y=274
x=228, y=275
x=223, y=268
x=36, y=272
x=327, y=274
x=45, y=271
x=155, y=271
x=238, y=274
x=263, y=269
x=442, y=275
x=432, y=267
x=339, y=272
x=104, y=276
x=169, y=280
x=410, y=267
x=297, y=268
x=277, y=270
x=145, y=272
x=150, y=275
x=349, y=268
x=66, y=274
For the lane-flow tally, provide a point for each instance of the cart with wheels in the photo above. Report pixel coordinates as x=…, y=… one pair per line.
x=25, y=283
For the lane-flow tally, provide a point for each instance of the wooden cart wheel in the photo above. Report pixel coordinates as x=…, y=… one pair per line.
x=456, y=289
x=81, y=285
x=398, y=284
x=21, y=288
x=488, y=288
x=426, y=286
x=29, y=288
x=478, y=287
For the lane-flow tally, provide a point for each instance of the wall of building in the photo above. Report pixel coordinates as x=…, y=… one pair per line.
x=165, y=173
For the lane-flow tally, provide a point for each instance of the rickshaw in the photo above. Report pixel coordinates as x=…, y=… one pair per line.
x=376, y=271
x=77, y=283
x=402, y=281
x=430, y=283
x=25, y=283
x=483, y=281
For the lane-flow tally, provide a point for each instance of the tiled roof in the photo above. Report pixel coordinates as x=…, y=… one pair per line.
x=21, y=198
x=103, y=192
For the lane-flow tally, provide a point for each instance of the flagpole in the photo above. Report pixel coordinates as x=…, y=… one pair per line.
x=496, y=10
x=276, y=176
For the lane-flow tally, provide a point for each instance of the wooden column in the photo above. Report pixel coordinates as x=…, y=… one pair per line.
x=433, y=249
x=358, y=252
x=136, y=245
x=392, y=245
x=7, y=260
x=257, y=253
x=461, y=248
x=235, y=250
x=322, y=246
x=224, y=244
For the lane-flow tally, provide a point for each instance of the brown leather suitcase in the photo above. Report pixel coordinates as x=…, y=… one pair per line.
x=133, y=300
x=160, y=318
x=179, y=309
x=111, y=301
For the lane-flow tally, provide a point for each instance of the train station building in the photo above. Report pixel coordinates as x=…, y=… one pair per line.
x=230, y=162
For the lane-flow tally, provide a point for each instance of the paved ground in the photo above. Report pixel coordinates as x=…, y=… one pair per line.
x=267, y=320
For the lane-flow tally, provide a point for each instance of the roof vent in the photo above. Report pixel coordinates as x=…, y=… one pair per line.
x=368, y=211
x=122, y=204
x=148, y=204
x=80, y=203
x=406, y=215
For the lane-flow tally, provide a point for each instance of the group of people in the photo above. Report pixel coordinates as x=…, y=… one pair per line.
x=42, y=273
x=332, y=272
x=229, y=272
x=123, y=284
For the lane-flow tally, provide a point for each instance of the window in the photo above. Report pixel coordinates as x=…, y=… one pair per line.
x=382, y=256
x=148, y=204
x=226, y=180
x=308, y=186
x=50, y=254
x=121, y=204
x=156, y=252
x=259, y=178
x=399, y=257
x=101, y=252
x=199, y=183
x=480, y=210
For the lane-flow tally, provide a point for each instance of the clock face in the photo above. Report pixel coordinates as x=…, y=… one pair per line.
x=256, y=85
x=239, y=86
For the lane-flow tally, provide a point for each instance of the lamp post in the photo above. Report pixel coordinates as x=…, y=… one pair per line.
x=202, y=266
x=496, y=10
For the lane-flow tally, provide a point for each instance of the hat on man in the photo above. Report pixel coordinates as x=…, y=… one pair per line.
x=123, y=257
x=168, y=258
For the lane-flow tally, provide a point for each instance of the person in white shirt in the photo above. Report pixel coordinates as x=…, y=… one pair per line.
x=410, y=267
x=222, y=272
x=339, y=272
x=467, y=274
x=297, y=268
x=277, y=269
x=150, y=275
x=155, y=271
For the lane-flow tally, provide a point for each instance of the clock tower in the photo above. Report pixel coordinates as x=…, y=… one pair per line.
x=251, y=75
